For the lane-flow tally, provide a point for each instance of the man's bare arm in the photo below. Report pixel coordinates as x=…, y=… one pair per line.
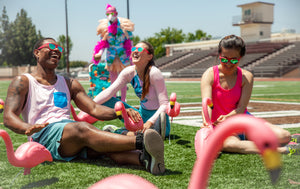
x=86, y=104
x=16, y=96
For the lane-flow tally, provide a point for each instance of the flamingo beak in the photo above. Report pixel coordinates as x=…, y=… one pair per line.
x=1, y=108
x=119, y=114
x=172, y=104
x=272, y=162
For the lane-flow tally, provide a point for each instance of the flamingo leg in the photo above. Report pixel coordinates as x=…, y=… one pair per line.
x=170, y=131
x=13, y=180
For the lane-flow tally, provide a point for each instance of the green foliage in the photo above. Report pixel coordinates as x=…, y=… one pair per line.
x=78, y=63
x=165, y=36
x=62, y=41
x=172, y=36
x=135, y=40
x=18, y=39
x=199, y=35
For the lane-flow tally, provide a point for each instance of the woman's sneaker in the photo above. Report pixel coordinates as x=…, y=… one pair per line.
x=160, y=125
x=294, y=149
x=153, y=152
x=295, y=138
x=110, y=128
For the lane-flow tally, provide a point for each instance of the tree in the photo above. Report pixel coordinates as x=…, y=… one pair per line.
x=165, y=36
x=62, y=41
x=20, y=37
x=3, y=35
x=199, y=35
x=135, y=40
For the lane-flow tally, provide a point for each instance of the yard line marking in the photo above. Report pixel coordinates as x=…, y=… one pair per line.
x=196, y=121
x=275, y=94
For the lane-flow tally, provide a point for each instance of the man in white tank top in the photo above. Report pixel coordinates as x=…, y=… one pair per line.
x=43, y=98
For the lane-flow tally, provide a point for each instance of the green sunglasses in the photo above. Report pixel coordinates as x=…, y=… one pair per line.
x=140, y=49
x=52, y=46
x=231, y=60
x=112, y=13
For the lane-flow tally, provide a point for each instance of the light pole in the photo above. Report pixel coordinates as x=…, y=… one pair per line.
x=128, y=9
x=67, y=39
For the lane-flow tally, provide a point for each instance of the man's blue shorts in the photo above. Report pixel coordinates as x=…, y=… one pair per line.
x=50, y=137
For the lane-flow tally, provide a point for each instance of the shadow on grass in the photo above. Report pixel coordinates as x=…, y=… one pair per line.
x=107, y=162
x=170, y=172
x=40, y=183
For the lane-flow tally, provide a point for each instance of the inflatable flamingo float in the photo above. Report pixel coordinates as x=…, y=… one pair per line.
x=28, y=155
x=256, y=130
x=128, y=122
x=82, y=116
x=202, y=134
x=173, y=109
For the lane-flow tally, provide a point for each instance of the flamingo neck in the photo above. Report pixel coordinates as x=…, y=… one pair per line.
x=9, y=147
x=203, y=164
x=74, y=113
x=125, y=116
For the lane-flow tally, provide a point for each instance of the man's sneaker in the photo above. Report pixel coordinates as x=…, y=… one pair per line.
x=160, y=125
x=153, y=152
x=294, y=149
x=295, y=138
x=110, y=128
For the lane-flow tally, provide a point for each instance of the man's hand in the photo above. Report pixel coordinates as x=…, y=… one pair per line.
x=35, y=128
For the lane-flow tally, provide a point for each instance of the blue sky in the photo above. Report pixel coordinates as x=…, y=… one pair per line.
x=213, y=17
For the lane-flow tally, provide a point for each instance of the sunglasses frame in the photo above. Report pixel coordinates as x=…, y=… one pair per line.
x=138, y=49
x=47, y=45
x=229, y=60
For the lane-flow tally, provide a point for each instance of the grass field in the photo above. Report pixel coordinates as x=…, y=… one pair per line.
x=229, y=171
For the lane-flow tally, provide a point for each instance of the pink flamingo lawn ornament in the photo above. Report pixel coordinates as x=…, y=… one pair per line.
x=82, y=116
x=123, y=181
x=256, y=130
x=1, y=105
x=28, y=155
x=128, y=122
x=202, y=134
x=173, y=109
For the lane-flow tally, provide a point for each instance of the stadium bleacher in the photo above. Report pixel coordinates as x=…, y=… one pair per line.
x=263, y=59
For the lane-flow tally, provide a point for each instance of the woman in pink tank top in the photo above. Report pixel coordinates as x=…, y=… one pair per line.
x=230, y=89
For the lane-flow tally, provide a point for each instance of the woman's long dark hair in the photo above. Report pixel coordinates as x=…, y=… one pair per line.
x=146, y=80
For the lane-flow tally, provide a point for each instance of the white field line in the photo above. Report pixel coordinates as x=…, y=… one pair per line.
x=196, y=121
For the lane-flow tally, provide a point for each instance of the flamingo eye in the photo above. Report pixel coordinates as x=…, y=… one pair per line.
x=267, y=145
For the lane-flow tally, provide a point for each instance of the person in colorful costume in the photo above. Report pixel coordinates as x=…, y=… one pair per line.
x=230, y=89
x=115, y=34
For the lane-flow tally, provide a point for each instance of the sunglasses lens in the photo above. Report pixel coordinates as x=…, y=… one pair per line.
x=234, y=61
x=60, y=48
x=51, y=46
x=133, y=49
x=224, y=60
x=140, y=49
